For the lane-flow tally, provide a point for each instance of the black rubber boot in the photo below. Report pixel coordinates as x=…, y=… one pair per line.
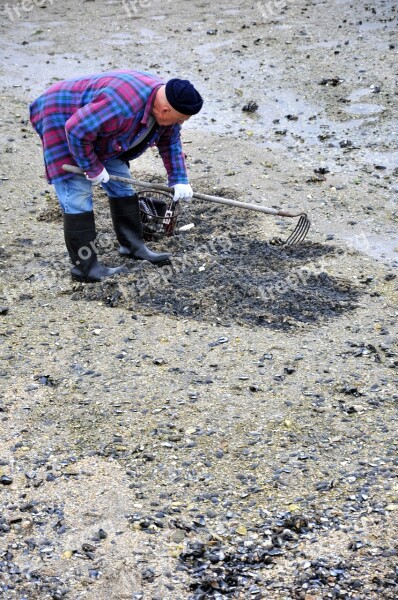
x=79, y=231
x=126, y=220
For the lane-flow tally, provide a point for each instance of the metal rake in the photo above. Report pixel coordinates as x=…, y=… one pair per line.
x=297, y=236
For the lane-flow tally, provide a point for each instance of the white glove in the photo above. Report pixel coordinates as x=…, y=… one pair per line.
x=182, y=191
x=103, y=177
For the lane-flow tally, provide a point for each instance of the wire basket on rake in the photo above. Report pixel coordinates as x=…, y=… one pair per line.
x=159, y=213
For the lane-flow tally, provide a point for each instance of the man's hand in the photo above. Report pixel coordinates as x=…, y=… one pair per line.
x=182, y=191
x=103, y=177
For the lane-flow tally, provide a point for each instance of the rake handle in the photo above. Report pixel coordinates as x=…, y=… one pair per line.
x=215, y=199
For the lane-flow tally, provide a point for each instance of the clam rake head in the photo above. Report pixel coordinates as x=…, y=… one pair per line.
x=299, y=233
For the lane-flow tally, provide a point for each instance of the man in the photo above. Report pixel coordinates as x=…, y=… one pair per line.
x=99, y=123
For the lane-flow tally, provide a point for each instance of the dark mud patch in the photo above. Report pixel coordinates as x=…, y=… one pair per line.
x=222, y=272
x=50, y=215
x=232, y=279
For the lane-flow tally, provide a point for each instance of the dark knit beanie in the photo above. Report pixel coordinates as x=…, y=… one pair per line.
x=183, y=97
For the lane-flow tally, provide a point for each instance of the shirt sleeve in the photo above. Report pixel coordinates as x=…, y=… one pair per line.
x=170, y=149
x=101, y=117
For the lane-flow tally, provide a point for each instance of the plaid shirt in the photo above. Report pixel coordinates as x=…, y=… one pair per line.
x=86, y=121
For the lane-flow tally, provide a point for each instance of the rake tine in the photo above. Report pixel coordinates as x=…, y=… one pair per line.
x=299, y=233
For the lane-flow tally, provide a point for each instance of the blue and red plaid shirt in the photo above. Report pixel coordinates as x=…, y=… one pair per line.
x=86, y=121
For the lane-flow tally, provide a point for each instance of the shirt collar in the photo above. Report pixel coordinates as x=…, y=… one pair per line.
x=149, y=104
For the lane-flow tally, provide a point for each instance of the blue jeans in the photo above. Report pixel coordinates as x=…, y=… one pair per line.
x=75, y=194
